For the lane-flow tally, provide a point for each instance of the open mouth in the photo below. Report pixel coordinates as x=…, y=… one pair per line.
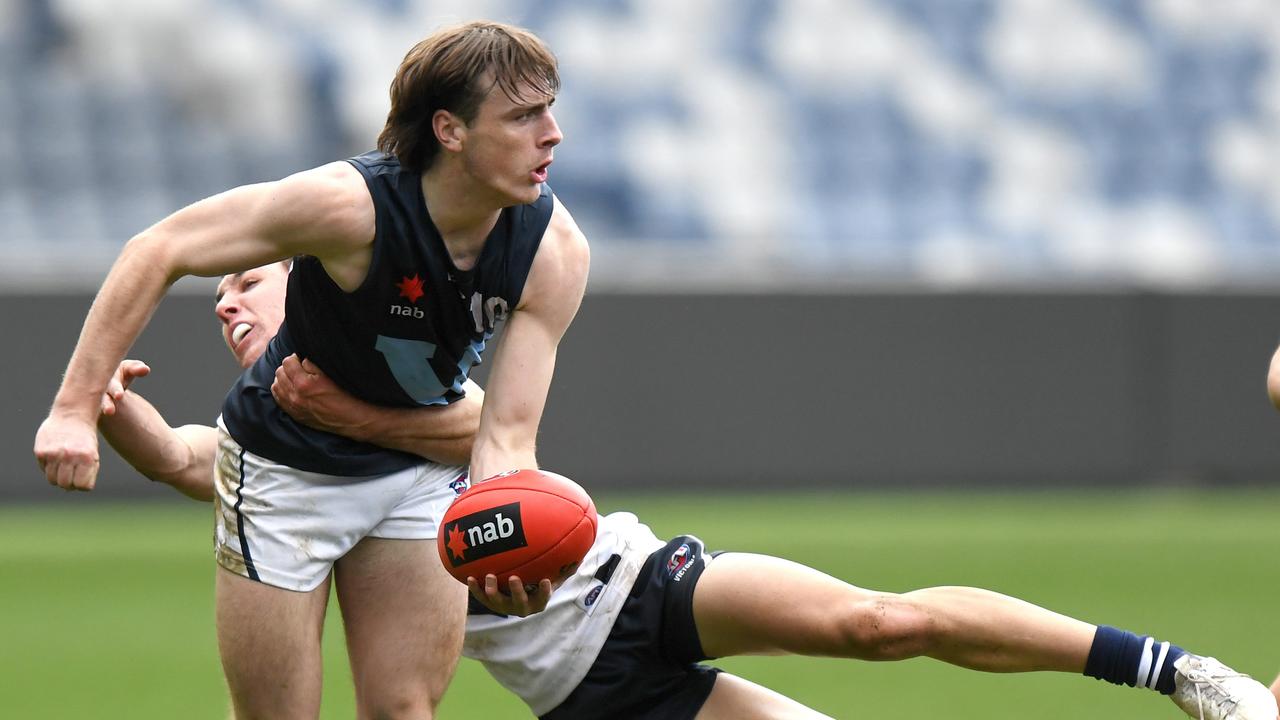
x=239, y=331
x=540, y=173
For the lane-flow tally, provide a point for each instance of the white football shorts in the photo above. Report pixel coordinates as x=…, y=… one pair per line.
x=543, y=657
x=286, y=527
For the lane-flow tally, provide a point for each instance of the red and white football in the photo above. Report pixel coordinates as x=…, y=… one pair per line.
x=530, y=523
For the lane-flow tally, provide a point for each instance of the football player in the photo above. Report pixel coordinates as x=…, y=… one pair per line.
x=626, y=635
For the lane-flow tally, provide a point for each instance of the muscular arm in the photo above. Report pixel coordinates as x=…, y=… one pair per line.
x=443, y=434
x=525, y=359
x=325, y=212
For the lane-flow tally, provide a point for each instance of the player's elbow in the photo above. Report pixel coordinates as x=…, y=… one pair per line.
x=151, y=251
x=186, y=467
x=451, y=452
x=188, y=481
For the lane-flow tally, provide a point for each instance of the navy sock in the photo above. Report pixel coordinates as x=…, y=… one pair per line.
x=1123, y=658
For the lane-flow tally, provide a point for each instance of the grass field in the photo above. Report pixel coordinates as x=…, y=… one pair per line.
x=106, y=611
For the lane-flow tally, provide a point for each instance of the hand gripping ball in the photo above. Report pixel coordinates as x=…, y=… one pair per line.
x=529, y=523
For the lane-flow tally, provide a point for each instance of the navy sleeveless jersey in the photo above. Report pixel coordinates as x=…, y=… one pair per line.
x=408, y=336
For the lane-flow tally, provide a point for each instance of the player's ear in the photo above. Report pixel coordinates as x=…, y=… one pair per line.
x=449, y=130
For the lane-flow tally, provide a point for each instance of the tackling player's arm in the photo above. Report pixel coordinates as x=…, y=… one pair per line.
x=443, y=434
x=326, y=212
x=525, y=358
x=181, y=457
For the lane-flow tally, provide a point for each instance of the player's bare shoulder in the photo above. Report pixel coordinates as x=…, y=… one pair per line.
x=334, y=203
x=559, y=273
x=336, y=219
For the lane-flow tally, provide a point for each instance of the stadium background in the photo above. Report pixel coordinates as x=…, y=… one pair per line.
x=848, y=247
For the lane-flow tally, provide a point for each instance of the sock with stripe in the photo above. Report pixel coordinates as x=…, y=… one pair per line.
x=1123, y=658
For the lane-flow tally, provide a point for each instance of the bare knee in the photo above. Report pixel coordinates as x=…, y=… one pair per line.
x=414, y=699
x=406, y=708
x=885, y=627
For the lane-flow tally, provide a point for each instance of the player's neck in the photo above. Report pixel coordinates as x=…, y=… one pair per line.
x=463, y=212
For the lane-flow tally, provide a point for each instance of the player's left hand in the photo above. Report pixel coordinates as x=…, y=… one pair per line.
x=516, y=601
x=307, y=394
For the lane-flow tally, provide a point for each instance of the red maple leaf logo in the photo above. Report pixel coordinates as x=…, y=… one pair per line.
x=457, y=545
x=411, y=287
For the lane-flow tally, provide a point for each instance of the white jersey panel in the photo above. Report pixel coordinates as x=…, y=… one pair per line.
x=543, y=657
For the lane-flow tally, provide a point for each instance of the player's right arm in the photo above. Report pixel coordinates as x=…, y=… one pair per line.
x=326, y=212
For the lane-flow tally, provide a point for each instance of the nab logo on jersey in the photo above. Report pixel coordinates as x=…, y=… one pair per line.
x=411, y=288
x=488, y=532
x=407, y=311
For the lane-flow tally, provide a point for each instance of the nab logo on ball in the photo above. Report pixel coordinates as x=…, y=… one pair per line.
x=529, y=524
x=486, y=533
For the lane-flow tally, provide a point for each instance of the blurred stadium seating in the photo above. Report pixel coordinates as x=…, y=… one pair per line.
x=742, y=142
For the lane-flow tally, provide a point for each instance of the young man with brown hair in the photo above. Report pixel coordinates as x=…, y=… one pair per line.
x=406, y=260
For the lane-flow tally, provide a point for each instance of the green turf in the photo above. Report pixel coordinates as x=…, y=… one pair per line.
x=106, y=611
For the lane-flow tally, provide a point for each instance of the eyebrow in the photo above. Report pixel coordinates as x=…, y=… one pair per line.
x=525, y=105
x=217, y=297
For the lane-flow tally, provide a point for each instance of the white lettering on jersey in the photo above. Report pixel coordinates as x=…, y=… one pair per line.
x=487, y=313
x=407, y=311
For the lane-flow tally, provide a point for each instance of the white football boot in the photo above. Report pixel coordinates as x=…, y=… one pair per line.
x=1209, y=690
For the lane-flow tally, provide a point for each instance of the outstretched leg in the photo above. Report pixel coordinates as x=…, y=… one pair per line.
x=755, y=604
x=737, y=610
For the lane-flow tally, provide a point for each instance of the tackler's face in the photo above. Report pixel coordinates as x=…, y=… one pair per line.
x=250, y=306
x=510, y=144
